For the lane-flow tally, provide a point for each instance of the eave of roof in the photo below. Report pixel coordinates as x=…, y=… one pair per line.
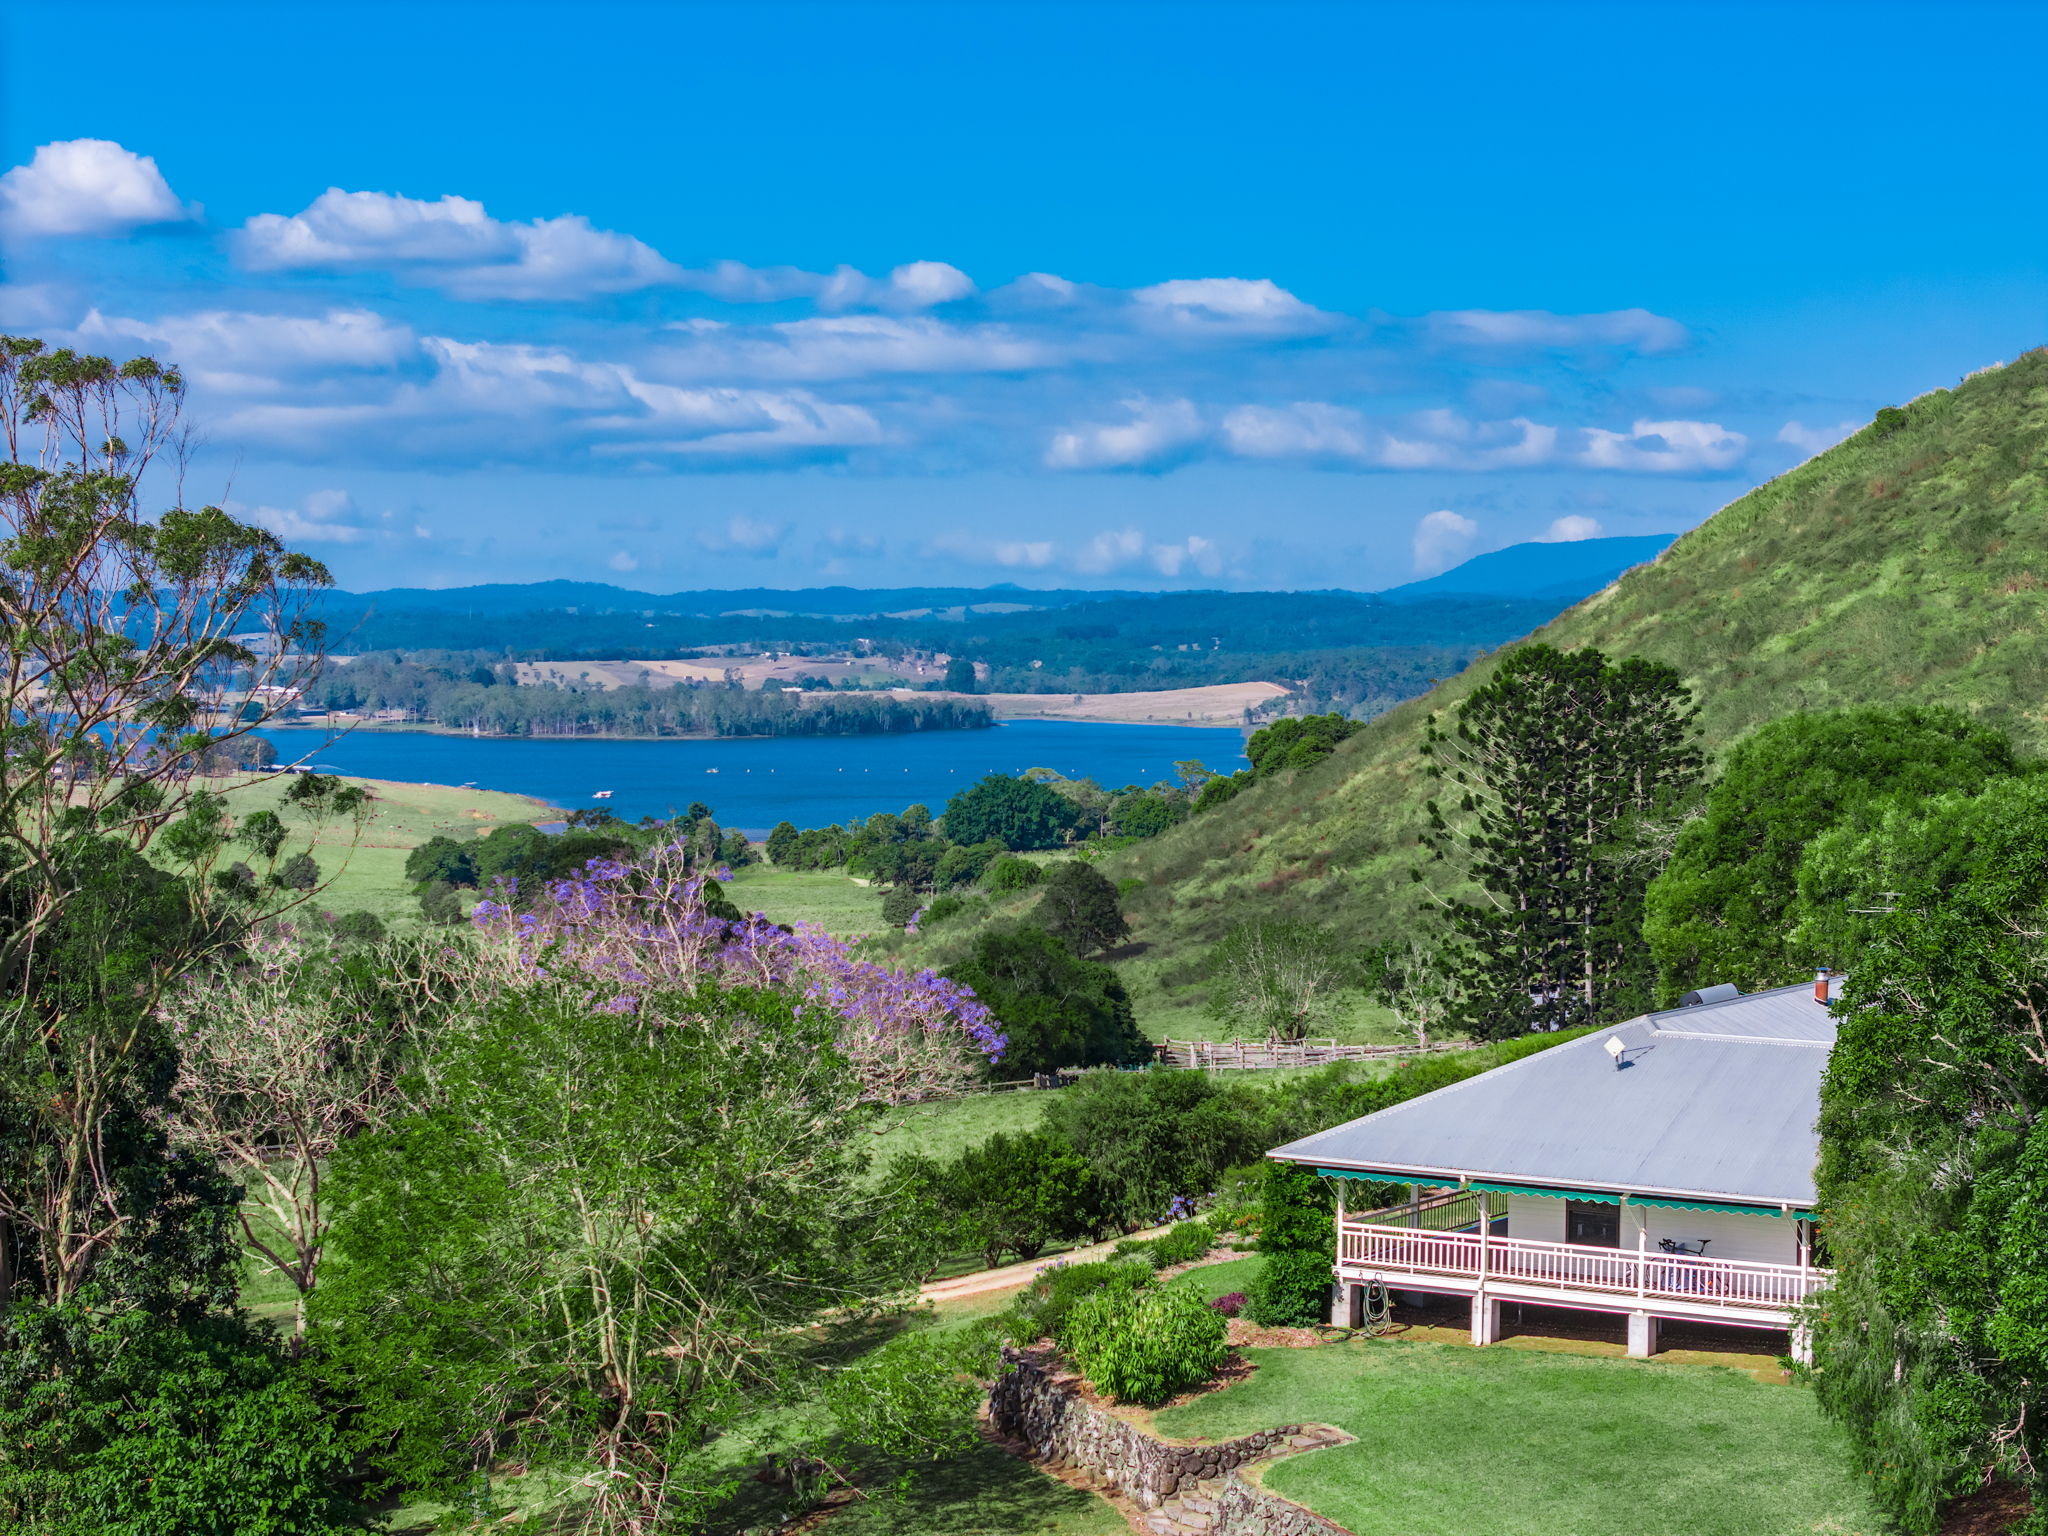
x=1725, y=1092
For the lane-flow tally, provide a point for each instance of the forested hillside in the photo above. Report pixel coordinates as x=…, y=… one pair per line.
x=1907, y=564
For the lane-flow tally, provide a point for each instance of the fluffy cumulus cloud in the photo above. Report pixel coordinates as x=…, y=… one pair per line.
x=454, y=244
x=1129, y=550
x=754, y=537
x=331, y=517
x=1665, y=448
x=1524, y=330
x=240, y=352
x=85, y=187
x=1155, y=433
x=1441, y=540
x=919, y=369
x=1569, y=530
x=1251, y=307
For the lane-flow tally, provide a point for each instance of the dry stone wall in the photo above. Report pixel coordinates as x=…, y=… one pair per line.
x=1189, y=1489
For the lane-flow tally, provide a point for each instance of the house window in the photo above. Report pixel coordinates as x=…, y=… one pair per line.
x=1592, y=1223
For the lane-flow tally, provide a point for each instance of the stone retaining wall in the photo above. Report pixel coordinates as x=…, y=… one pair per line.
x=1189, y=1487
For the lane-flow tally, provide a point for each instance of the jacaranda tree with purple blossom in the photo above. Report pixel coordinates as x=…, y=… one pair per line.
x=632, y=929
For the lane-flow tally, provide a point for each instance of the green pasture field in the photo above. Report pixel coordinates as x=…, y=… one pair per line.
x=1454, y=1441
x=945, y=1129
x=367, y=873
x=828, y=899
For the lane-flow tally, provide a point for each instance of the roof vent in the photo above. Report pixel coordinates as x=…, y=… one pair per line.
x=1719, y=994
x=1827, y=985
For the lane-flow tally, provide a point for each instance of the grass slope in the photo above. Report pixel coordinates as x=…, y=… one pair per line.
x=1908, y=566
x=1455, y=1441
x=369, y=875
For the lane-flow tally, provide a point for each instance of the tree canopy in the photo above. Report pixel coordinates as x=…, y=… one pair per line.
x=1058, y=1011
x=1932, y=1345
x=1723, y=909
x=1078, y=905
x=1020, y=814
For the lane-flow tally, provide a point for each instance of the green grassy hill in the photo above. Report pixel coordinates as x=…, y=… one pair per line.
x=1907, y=564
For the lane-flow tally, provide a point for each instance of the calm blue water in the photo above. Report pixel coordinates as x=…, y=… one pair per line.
x=811, y=781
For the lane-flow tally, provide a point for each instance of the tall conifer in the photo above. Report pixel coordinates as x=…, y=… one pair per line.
x=1542, y=769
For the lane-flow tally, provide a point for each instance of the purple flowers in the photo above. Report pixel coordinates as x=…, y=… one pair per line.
x=1229, y=1305
x=638, y=928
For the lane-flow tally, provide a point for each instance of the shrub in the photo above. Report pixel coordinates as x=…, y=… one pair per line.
x=1147, y=1347
x=1042, y=1311
x=1229, y=1304
x=939, y=909
x=1136, y=1250
x=1185, y=1243
x=1292, y=1291
x=300, y=872
x=899, y=905
x=1016, y=1193
x=1012, y=874
x=359, y=928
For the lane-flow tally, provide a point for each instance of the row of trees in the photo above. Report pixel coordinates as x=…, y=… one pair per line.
x=477, y=692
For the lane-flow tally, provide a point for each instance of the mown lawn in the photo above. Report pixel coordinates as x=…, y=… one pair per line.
x=1500, y=1442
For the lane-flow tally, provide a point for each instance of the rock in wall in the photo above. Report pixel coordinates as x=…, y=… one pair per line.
x=1041, y=1405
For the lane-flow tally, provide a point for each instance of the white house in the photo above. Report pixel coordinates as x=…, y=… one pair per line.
x=1662, y=1169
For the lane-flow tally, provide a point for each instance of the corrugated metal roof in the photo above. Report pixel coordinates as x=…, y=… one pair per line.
x=1717, y=1100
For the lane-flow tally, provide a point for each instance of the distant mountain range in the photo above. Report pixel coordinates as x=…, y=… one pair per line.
x=1566, y=572
x=1561, y=572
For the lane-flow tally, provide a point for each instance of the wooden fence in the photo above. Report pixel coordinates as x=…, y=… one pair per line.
x=1252, y=1055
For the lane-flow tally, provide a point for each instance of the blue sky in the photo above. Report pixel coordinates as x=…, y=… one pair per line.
x=1117, y=295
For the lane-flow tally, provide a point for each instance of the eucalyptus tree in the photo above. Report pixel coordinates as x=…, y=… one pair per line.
x=137, y=636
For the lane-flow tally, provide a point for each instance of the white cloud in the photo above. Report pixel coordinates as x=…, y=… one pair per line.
x=914, y=285
x=1243, y=306
x=1569, y=530
x=1637, y=330
x=852, y=346
x=1128, y=549
x=471, y=401
x=455, y=245
x=1433, y=439
x=1030, y=553
x=240, y=352
x=1157, y=431
x=1812, y=440
x=1310, y=429
x=756, y=538
x=623, y=563
x=86, y=187
x=1442, y=539
x=976, y=549
x=323, y=517
x=738, y=283
x=1665, y=447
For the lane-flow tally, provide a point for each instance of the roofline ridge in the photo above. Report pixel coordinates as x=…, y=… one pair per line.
x=1463, y=1082
x=1728, y=1002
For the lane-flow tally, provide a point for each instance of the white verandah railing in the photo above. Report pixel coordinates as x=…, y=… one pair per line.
x=1733, y=1283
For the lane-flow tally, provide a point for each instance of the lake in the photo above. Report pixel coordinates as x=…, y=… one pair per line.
x=752, y=784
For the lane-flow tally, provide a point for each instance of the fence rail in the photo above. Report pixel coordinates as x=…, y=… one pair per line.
x=1733, y=1283
x=1252, y=1055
